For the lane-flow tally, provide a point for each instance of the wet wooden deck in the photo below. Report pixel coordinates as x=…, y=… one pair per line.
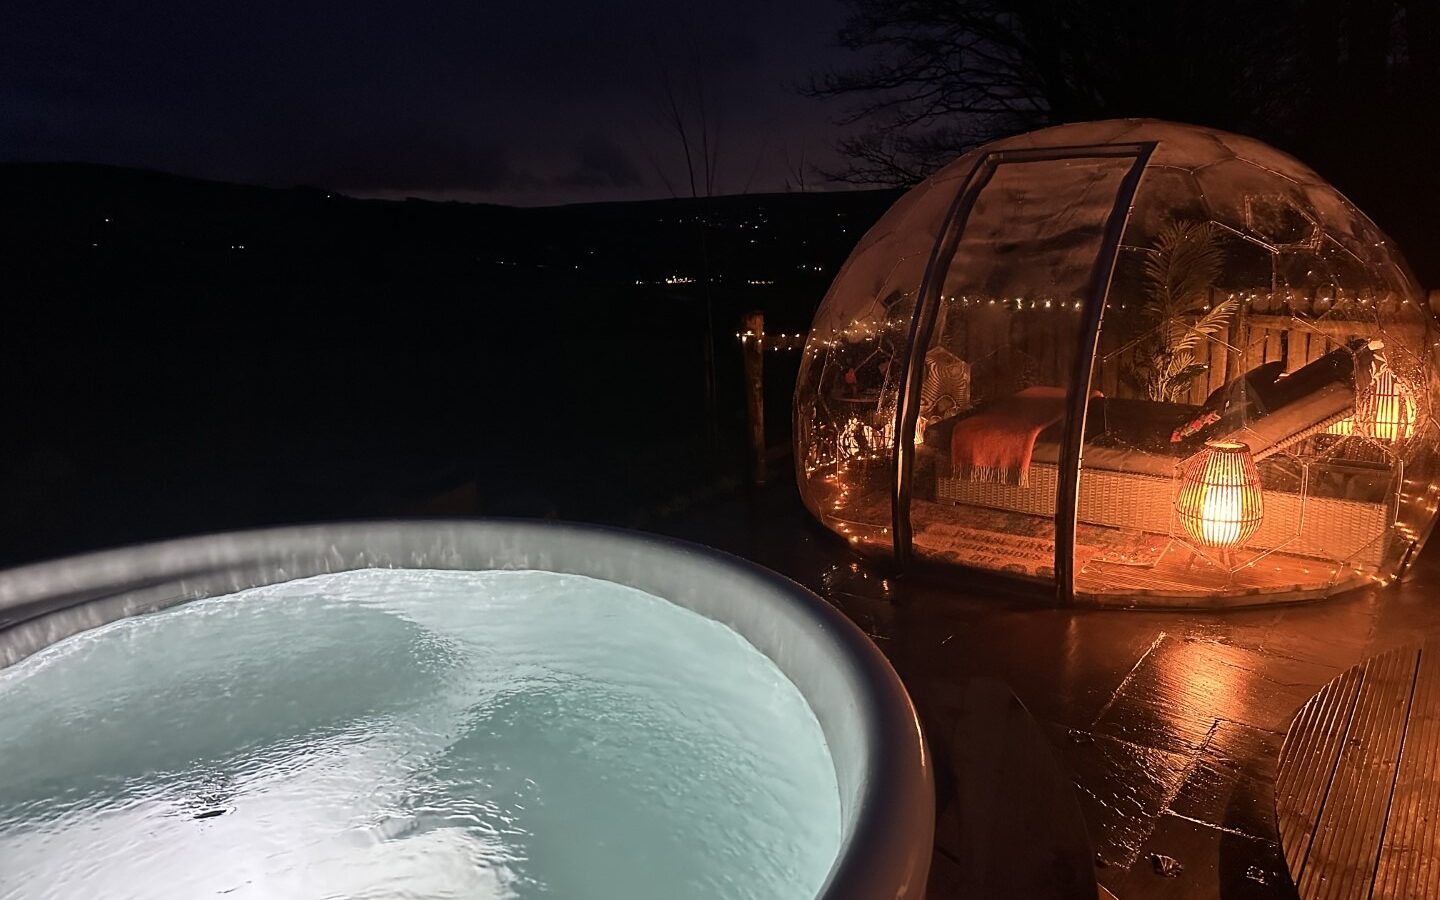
x=1358, y=790
x=1006, y=810
x=1168, y=723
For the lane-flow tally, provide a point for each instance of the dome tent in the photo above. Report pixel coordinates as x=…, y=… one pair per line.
x=1027, y=364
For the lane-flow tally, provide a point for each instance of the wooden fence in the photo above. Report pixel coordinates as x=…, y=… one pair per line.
x=1253, y=341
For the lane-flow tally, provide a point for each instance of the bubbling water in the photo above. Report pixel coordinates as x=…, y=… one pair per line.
x=397, y=733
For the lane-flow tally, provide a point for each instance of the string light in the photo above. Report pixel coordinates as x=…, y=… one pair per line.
x=769, y=341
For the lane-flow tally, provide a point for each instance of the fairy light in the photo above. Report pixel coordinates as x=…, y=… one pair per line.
x=772, y=341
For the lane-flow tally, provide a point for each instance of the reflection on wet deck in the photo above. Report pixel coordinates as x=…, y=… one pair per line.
x=1170, y=722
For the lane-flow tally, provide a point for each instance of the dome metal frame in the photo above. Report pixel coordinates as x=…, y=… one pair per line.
x=1021, y=275
x=1093, y=310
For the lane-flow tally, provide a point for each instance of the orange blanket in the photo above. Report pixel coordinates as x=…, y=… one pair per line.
x=995, y=446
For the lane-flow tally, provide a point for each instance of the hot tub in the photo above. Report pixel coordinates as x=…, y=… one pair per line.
x=880, y=769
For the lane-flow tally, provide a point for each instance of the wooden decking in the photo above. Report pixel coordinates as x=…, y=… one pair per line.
x=1358, y=787
x=1169, y=722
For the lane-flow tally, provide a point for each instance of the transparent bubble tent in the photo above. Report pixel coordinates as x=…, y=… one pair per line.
x=1130, y=362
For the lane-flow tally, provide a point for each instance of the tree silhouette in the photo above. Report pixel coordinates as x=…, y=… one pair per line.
x=940, y=77
x=1350, y=86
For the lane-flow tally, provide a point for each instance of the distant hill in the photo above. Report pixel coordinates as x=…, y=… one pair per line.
x=53, y=210
x=182, y=355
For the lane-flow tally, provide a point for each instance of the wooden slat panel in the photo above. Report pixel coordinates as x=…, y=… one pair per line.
x=1298, y=351
x=1307, y=763
x=1342, y=858
x=1341, y=330
x=1219, y=355
x=1253, y=350
x=1409, y=867
x=1274, y=345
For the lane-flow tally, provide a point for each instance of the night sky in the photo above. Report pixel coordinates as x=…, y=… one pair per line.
x=528, y=103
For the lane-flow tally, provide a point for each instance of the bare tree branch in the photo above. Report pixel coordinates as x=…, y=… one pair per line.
x=938, y=77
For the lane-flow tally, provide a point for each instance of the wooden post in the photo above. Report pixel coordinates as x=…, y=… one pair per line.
x=752, y=345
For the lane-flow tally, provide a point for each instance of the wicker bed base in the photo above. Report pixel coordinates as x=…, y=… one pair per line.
x=1321, y=527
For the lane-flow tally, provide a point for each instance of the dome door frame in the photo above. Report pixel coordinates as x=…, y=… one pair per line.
x=922, y=326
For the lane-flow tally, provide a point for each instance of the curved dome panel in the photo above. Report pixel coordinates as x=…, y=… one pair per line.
x=1245, y=301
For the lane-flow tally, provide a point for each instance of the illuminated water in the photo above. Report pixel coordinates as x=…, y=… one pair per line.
x=413, y=734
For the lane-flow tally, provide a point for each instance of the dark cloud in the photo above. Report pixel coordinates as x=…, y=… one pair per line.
x=416, y=158
x=601, y=164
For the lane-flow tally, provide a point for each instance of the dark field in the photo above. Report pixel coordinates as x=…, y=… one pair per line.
x=216, y=356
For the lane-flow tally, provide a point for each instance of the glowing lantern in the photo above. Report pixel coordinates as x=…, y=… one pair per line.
x=1220, y=502
x=1385, y=408
x=1344, y=428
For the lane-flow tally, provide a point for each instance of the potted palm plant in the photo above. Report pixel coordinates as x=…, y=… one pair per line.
x=1180, y=313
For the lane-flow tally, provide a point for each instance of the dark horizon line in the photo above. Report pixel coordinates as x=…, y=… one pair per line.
x=833, y=187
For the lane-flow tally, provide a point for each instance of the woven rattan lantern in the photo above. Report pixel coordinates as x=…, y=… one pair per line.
x=1385, y=407
x=1220, y=501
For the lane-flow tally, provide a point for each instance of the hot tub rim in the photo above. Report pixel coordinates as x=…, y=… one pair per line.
x=869, y=721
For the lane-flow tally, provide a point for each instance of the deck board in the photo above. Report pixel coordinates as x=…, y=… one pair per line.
x=1307, y=762
x=1358, y=791
x=1410, y=854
